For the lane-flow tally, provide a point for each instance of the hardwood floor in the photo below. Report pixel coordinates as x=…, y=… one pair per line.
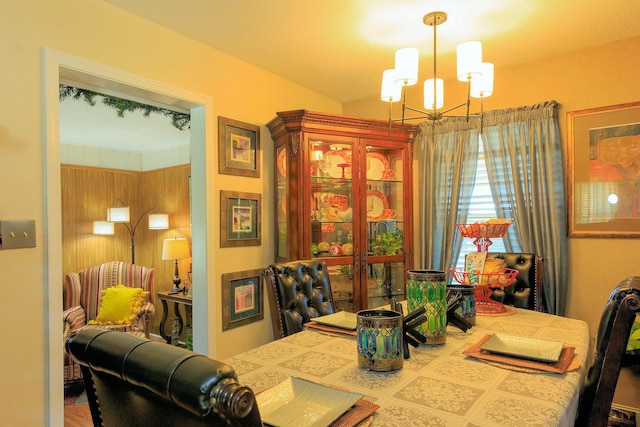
x=77, y=416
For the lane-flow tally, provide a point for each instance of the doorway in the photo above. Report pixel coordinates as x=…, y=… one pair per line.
x=58, y=67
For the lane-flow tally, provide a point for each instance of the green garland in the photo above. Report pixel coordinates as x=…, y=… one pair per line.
x=180, y=121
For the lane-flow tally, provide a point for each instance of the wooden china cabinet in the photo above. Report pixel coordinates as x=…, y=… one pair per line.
x=344, y=194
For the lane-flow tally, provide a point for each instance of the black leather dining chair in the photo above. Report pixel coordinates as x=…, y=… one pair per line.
x=298, y=292
x=611, y=343
x=131, y=381
x=526, y=290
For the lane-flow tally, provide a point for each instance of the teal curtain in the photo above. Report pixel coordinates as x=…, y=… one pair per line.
x=447, y=156
x=523, y=155
x=525, y=167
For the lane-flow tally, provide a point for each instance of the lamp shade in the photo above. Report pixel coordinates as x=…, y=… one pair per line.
x=119, y=214
x=173, y=249
x=390, y=90
x=158, y=221
x=482, y=85
x=433, y=101
x=407, y=66
x=469, y=57
x=103, y=228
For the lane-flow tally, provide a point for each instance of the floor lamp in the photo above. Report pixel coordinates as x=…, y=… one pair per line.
x=121, y=214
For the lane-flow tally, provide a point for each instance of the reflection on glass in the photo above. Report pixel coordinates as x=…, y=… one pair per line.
x=378, y=274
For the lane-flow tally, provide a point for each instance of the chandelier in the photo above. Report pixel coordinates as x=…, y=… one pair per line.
x=470, y=69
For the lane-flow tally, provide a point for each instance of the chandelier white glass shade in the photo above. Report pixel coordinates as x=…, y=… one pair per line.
x=470, y=69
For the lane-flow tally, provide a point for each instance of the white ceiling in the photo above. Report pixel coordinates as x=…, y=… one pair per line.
x=99, y=126
x=340, y=47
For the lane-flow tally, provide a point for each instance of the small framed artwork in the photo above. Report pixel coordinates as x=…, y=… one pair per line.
x=240, y=219
x=241, y=298
x=238, y=148
x=603, y=165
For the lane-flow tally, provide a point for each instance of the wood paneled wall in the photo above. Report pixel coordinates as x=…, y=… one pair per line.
x=88, y=192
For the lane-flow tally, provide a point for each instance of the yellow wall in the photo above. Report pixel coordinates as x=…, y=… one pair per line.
x=600, y=76
x=101, y=33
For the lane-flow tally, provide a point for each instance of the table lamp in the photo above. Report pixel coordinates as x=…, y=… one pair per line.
x=175, y=249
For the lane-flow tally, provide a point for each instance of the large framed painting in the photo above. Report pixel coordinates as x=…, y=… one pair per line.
x=238, y=148
x=603, y=157
x=241, y=298
x=240, y=219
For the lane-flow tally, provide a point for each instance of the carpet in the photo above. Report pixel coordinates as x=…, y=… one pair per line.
x=75, y=397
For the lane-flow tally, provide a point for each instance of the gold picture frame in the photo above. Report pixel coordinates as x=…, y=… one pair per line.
x=240, y=219
x=238, y=148
x=603, y=166
x=242, y=298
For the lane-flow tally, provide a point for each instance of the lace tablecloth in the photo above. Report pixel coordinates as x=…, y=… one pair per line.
x=438, y=386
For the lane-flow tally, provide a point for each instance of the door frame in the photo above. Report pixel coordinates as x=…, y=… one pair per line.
x=56, y=66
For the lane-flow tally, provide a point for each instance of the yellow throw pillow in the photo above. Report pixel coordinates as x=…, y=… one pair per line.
x=119, y=305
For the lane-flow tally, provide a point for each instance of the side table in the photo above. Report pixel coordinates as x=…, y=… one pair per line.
x=177, y=300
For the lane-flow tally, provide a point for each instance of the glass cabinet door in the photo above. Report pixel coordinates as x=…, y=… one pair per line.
x=332, y=212
x=385, y=211
x=281, y=203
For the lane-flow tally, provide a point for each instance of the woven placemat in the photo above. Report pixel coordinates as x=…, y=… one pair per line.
x=332, y=329
x=575, y=364
x=515, y=363
x=361, y=411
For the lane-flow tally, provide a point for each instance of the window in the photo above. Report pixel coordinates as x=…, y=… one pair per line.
x=482, y=208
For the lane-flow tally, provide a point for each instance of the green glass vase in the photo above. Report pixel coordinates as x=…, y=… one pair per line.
x=428, y=288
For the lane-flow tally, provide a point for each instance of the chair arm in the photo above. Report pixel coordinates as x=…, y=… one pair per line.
x=143, y=317
x=146, y=312
x=73, y=319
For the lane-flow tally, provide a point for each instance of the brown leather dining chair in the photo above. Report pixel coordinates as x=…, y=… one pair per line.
x=611, y=343
x=132, y=381
x=298, y=292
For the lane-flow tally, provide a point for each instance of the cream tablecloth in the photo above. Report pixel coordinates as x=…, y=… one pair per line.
x=438, y=386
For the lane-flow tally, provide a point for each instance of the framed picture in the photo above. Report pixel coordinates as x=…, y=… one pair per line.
x=604, y=171
x=238, y=148
x=240, y=219
x=241, y=298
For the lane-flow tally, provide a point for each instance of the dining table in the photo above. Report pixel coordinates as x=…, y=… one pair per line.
x=437, y=385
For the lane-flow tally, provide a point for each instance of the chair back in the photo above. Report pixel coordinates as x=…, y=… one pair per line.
x=526, y=290
x=85, y=287
x=611, y=343
x=298, y=292
x=132, y=381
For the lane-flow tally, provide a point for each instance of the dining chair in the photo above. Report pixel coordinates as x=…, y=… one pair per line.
x=132, y=381
x=611, y=343
x=298, y=292
x=526, y=290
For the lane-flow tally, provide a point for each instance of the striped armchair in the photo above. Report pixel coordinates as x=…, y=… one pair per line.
x=81, y=300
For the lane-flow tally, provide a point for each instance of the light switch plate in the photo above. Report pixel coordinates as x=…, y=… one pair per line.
x=16, y=234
